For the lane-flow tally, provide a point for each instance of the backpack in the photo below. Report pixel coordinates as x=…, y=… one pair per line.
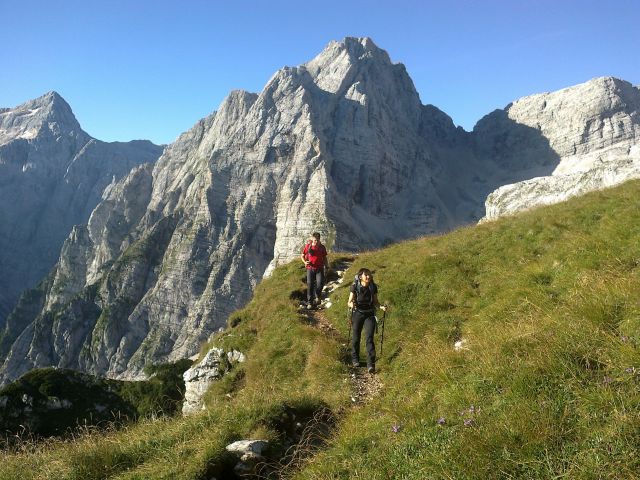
x=372, y=287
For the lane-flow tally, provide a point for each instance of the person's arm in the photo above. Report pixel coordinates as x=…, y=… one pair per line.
x=303, y=256
x=351, y=299
x=377, y=303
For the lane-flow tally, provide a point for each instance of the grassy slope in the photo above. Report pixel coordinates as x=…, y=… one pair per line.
x=548, y=305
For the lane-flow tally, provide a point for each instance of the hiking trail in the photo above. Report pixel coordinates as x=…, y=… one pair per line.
x=364, y=386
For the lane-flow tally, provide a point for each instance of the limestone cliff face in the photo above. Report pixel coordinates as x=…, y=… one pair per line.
x=591, y=138
x=52, y=175
x=341, y=145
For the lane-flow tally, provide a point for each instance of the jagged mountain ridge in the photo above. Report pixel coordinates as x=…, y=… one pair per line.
x=342, y=145
x=52, y=175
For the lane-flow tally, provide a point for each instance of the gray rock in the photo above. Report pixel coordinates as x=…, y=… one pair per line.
x=201, y=376
x=250, y=453
x=211, y=366
x=552, y=189
x=235, y=356
x=244, y=447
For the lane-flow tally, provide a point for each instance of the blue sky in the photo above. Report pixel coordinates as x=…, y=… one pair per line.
x=151, y=69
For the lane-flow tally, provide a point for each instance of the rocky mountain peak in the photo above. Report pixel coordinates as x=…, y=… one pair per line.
x=355, y=49
x=236, y=105
x=27, y=120
x=341, y=64
x=54, y=102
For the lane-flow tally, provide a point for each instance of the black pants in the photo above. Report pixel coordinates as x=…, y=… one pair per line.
x=368, y=322
x=315, y=282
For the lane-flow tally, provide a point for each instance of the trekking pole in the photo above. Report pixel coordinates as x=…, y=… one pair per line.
x=384, y=316
x=350, y=310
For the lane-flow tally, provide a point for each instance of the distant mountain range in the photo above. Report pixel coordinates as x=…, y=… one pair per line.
x=342, y=145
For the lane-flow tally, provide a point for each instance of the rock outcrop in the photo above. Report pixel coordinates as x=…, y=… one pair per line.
x=199, y=377
x=52, y=175
x=593, y=135
x=341, y=145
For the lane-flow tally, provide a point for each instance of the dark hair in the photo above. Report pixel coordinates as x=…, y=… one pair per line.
x=367, y=271
x=316, y=235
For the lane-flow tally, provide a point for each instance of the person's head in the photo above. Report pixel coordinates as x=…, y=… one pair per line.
x=315, y=238
x=365, y=276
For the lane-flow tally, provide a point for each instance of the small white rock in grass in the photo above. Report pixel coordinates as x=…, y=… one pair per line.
x=460, y=345
x=328, y=305
x=242, y=447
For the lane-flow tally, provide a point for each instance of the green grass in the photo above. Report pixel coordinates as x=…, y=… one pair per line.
x=548, y=385
x=548, y=304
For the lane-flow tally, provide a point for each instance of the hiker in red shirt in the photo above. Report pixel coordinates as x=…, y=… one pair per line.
x=314, y=256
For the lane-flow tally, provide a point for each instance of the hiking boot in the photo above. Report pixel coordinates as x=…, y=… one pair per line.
x=371, y=369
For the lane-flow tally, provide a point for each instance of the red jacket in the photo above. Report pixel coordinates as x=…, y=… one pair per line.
x=315, y=255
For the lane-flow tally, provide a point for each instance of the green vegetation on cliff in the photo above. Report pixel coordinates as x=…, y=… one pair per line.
x=56, y=402
x=545, y=382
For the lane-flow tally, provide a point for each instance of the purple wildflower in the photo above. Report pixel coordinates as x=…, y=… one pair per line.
x=630, y=370
x=472, y=409
x=441, y=421
x=624, y=339
x=607, y=380
x=395, y=428
x=468, y=422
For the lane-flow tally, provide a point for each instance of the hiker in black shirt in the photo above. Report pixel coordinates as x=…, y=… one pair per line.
x=363, y=300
